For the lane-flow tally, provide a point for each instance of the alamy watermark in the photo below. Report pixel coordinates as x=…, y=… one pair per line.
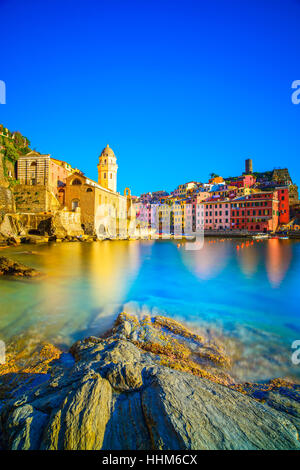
x=2, y=92
x=161, y=221
x=296, y=94
x=2, y=352
x=296, y=353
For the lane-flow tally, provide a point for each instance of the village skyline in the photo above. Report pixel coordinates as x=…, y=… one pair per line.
x=163, y=91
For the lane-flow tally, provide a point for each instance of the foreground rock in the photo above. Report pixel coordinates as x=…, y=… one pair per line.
x=9, y=267
x=149, y=384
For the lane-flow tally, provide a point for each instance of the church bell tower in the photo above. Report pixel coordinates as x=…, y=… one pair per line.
x=107, y=169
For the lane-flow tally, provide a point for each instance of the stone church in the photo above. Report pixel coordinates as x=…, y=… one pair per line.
x=104, y=211
x=49, y=185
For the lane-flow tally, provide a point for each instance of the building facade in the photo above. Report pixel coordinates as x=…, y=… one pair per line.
x=258, y=212
x=217, y=215
x=284, y=205
x=104, y=212
x=35, y=169
x=107, y=169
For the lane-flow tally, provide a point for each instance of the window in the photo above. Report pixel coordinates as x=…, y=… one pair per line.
x=75, y=204
x=89, y=190
x=104, y=176
x=76, y=182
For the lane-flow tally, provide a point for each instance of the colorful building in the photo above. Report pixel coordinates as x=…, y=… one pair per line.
x=244, y=181
x=217, y=214
x=258, y=212
x=284, y=206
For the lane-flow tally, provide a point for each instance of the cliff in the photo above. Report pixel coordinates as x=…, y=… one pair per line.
x=12, y=145
x=148, y=384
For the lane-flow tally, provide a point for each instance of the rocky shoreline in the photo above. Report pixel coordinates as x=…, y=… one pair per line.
x=148, y=383
x=6, y=242
x=10, y=267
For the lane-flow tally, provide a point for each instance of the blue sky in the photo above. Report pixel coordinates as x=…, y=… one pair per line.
x=178, y=89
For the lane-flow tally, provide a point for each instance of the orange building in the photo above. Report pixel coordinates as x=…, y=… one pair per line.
x=216, y=180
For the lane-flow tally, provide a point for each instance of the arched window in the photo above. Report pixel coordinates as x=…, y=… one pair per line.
x=33, y=172
x=76, y=182
x=89, y=190
x=75, y=204
x=61, y=196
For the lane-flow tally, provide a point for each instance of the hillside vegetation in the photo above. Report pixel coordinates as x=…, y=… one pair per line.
x=12, y=145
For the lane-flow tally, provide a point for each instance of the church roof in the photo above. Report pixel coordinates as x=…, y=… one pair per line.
x=107, y=152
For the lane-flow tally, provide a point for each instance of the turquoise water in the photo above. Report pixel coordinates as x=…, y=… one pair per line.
x=248, y=296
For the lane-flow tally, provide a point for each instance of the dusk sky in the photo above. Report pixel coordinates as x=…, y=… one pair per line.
x=178, y=89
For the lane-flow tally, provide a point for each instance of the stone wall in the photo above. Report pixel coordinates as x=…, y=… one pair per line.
x=67, y=223
x=7, y=203
x=35, y=198
x=11, y=226
x=61, y=224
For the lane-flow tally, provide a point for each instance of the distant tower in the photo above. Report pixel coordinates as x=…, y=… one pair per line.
x=107, y=169
x=248, y=166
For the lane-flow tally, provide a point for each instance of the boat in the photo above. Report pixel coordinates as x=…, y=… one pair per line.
x=259, y=236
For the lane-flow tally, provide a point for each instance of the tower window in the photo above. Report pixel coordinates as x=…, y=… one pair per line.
x=111, y=176
x=104, y=176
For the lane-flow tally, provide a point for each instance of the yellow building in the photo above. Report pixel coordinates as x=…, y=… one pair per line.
x=107, y=169
x=104, y=211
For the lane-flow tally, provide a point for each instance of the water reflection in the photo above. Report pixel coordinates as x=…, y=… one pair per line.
x=208, y=262
x=253, y=287
x=278, y=259
x=106, y=271
x=248, y=258
x=85, y=286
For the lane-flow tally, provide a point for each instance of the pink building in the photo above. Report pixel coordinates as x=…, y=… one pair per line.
x=244, y=181
x=216, y=214
x=143, y=213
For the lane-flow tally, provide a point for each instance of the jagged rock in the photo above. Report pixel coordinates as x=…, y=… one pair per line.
x=118, y=395
x=280, y=394
x=9, y=267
